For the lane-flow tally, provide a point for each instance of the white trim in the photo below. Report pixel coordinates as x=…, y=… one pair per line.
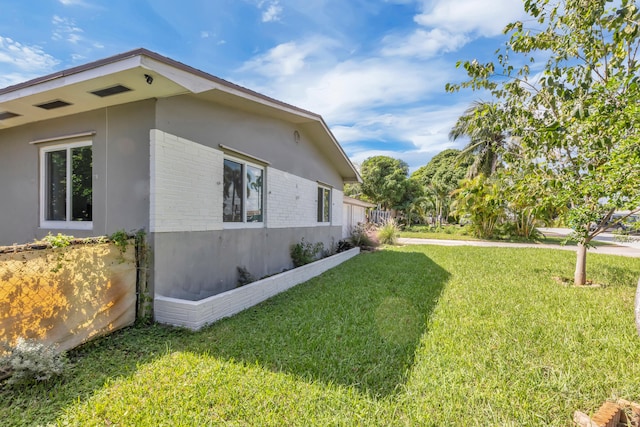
x=324, y=184
x=67, y=224
x=242, y=154
x=318, y=201
x=64, y=137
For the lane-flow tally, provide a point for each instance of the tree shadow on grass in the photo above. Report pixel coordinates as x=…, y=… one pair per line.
x=356, y=325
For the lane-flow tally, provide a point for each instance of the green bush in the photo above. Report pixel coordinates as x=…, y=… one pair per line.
x=30, y=361
x=305, y=252
x=388, y=232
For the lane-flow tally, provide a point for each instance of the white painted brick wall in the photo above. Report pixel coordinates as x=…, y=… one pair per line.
x=186, y=185
x=336, y=207
x=291, y=200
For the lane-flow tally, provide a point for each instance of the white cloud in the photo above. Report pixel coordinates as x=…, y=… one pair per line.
x=31, y=59
x=204, y=34
x=272, y=12
x=288, y=58
x=66, y=29
x=423, y=44
x=484, y=17
x=73, y=2
x=343, y=92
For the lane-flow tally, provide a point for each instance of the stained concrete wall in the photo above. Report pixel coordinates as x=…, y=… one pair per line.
x=120, y=171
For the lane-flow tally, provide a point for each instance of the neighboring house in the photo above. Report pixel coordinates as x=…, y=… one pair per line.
x=218, y=175
x=354, y=212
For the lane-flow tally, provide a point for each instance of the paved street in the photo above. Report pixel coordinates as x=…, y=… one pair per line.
x=624, y=249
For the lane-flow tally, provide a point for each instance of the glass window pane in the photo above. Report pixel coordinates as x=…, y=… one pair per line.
x=55, y=185
x=254, y=194
x=81, y=184
x=320, y=204
x=233, y=194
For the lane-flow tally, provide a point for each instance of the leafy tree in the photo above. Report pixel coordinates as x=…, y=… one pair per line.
x=481, y=123
x=353, y=190
x=482, y=201
x=576, y=118
x=440, y=177
x=384, y=180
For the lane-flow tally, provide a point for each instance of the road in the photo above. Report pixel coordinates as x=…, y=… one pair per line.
x=624, y=249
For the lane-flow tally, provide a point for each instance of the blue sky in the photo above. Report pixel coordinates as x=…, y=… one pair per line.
x=375, y=70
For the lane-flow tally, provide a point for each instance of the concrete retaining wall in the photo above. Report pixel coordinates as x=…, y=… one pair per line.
x=196, y=314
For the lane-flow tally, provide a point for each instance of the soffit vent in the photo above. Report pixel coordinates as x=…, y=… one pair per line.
x=113, y=90
x=7, y=115
x=53, y=104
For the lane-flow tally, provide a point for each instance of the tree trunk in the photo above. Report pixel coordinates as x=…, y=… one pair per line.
x=638, y=308
x=580, y=276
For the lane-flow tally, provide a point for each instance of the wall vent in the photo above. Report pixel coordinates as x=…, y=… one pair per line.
x=113, y=90
x=52, y=105
x=7, y=115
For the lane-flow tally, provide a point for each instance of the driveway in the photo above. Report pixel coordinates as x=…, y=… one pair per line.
x=627, y=249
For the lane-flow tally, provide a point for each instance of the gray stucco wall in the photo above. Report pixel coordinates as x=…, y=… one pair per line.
x=120, y=169
x=195, y=265
x=263, y=137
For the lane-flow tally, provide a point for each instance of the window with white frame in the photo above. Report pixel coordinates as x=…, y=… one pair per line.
x=324, y=204
x=66, y=186
x=243, y=192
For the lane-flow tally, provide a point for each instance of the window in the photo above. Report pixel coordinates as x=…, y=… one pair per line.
x=66, y=184
x=324, y=204
x=243, y=192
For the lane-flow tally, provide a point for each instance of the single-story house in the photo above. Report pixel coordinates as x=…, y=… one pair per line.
x=354, y=212
x=219, y=176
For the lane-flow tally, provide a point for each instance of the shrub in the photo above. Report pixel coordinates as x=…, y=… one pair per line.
x=29, y=361
x=388, y=232
x=244, y=276
x=344, y=245
x=305, y=252
x=360, y=236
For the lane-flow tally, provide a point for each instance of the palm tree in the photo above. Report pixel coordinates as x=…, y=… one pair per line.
x=480, y=122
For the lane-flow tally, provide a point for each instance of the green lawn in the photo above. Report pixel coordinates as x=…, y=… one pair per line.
x=416, y=335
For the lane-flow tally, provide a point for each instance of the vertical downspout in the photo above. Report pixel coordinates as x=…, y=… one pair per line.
x=106, y=170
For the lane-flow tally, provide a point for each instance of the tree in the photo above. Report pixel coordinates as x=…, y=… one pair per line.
x=576, y=120
x=482, y=201
x=440, y=177
x=384, y=180
x=480, y=122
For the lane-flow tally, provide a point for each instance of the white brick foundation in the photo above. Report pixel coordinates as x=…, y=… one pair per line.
x=196, y=314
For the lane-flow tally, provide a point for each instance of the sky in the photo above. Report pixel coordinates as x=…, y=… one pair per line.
x=375, y=70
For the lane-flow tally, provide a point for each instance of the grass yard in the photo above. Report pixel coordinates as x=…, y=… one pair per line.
x=415, y=335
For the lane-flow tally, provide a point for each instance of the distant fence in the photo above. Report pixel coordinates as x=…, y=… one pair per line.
x=378, y=216
x=68, y=295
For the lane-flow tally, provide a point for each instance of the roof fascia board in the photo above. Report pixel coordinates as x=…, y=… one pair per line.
x=185, y=78
x=357, y=176
x=62, y=79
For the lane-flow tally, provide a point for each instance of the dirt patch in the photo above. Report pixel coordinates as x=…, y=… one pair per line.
x=566, y=281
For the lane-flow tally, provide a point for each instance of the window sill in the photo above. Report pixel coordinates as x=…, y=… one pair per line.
x=242, y=225
x=63, y=225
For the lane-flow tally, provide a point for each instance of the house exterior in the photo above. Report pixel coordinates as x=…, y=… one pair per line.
x=354, y=212
x=219, y=176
